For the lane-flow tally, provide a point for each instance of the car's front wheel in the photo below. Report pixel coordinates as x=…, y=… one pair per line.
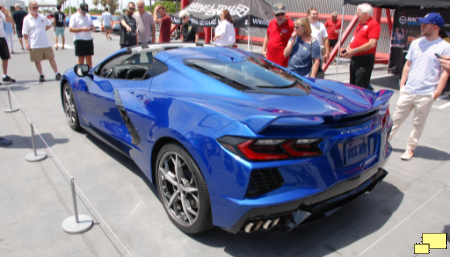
x=182, y=190
x=70, y=108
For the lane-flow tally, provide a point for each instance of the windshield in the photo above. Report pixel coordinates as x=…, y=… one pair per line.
x=115, y=18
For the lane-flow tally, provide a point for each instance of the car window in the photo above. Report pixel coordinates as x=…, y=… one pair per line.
x=254, y=73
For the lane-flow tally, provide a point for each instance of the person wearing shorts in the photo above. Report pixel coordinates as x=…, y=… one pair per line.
x=18, y=17
x=4, y=50
x=60, y=25
x=34, y=30
x=81, y=24
x=107, y=22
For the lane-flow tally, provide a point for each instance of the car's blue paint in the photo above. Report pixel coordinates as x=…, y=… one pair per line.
x=195, y=110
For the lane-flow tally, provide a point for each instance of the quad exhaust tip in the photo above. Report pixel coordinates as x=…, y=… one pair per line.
x=255, y=225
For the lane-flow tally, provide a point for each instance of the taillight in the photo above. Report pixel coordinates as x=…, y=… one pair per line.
x=271, y=149
x=385, y=120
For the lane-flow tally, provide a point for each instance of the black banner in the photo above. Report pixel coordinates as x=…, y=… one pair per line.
x=245, y=13
x=405, y=29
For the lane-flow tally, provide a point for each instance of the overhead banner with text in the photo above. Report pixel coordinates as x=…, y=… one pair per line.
x=406, y=28
x=245, y=13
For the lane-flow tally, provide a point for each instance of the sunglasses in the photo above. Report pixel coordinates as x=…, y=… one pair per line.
x=34, y=8
x=131, y=9
x=140, y=7
x=280, y=14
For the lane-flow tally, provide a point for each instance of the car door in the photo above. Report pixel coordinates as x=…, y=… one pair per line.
x=105, y=115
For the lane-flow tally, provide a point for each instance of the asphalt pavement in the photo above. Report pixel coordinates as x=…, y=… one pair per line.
x=129, y=220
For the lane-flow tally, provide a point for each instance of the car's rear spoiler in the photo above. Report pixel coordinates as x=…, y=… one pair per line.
x=258, y=123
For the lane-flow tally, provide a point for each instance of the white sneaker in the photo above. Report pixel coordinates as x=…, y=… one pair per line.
x=408, y=154
x=56, y=47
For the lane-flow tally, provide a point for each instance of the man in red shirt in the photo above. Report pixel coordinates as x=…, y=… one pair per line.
x=161, y=17
x=362, y=47
x=278, y=34
x=333, y=26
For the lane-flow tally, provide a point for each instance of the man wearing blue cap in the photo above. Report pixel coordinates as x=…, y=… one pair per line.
x=422, y=80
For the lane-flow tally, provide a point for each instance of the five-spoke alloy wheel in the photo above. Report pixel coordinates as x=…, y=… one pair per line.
x=70, y=107
x=182, y=190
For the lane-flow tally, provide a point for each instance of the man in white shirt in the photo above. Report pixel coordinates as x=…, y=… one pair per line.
x=423, y=79
x=34, y=30
x=107, y=22
x=319, y=31
x=145, y=24
x=81, y=24
x=4, y=50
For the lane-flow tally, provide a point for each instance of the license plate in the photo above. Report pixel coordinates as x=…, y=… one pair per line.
x=356, y=151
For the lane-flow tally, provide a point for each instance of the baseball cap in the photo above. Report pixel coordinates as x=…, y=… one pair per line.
x=279, y=8
x=84, y=7
x=433, y=18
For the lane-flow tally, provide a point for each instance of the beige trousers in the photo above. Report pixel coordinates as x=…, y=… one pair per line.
x=406, y=103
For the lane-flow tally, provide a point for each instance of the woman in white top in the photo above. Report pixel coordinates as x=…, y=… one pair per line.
x=225, y=34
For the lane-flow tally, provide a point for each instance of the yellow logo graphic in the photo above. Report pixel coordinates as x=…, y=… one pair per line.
x=431, y=241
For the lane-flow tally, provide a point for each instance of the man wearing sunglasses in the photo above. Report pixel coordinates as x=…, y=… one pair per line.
x=128, y=35
x=81, y=25
x=4, y=50
x=34, y=30
x=278, y=34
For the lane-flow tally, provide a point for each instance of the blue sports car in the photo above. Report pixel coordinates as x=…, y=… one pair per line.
x=231, y=139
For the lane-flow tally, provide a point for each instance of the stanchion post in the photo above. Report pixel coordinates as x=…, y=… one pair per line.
x=35, y=155
x=74, y=199
x=77, y=223
x=10, y=109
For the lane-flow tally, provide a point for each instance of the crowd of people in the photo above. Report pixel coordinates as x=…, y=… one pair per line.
x=299, y=45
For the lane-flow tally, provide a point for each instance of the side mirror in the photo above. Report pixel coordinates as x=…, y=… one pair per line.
x=82, y=70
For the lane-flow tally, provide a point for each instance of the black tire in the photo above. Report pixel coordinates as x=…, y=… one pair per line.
x=70, y=108
x=194, y=216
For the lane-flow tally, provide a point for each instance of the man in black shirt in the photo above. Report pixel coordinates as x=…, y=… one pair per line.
x=18, y=16
x=128, y=33
x=59, y=26
x=189, y=30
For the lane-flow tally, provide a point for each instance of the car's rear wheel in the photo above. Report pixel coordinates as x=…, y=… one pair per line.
x=182, y=190
x=70, y=108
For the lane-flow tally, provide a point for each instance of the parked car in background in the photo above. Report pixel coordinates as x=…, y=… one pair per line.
x=115, y=24
x=97, y=25
x=231, y=139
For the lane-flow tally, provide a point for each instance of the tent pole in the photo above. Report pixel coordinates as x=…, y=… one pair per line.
x=340, y=43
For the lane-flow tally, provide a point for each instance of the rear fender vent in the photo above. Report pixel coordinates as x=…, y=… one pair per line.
x=264, y=181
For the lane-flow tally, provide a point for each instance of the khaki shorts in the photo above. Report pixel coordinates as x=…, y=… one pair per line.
x=39, y=54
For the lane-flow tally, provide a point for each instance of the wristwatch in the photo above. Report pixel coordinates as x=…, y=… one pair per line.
x=356, y=50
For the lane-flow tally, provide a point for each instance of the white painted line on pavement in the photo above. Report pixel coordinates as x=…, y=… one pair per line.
x=407, y=217
x=67, y=46
x=444, y=105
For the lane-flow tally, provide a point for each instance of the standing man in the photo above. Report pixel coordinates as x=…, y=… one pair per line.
x=60, y=26
x=18, y=17
x=278, y=34
x=362, y=47
x=422, y=80
x=107, y=22
x=189, y=30
x=34, y=30
x=4, y=50
x=145, y=24
x=161, y=17
x=128, y=33
x=81, y=24
x=333, y=26
x=319, y=31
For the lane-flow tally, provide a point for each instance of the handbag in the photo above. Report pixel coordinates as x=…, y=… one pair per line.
x=320, y=72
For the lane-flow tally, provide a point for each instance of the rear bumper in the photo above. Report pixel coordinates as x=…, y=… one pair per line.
x=283, y=218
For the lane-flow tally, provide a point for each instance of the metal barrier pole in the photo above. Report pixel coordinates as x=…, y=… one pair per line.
x=35, y=155
x=10, y=109
x=82, y=222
